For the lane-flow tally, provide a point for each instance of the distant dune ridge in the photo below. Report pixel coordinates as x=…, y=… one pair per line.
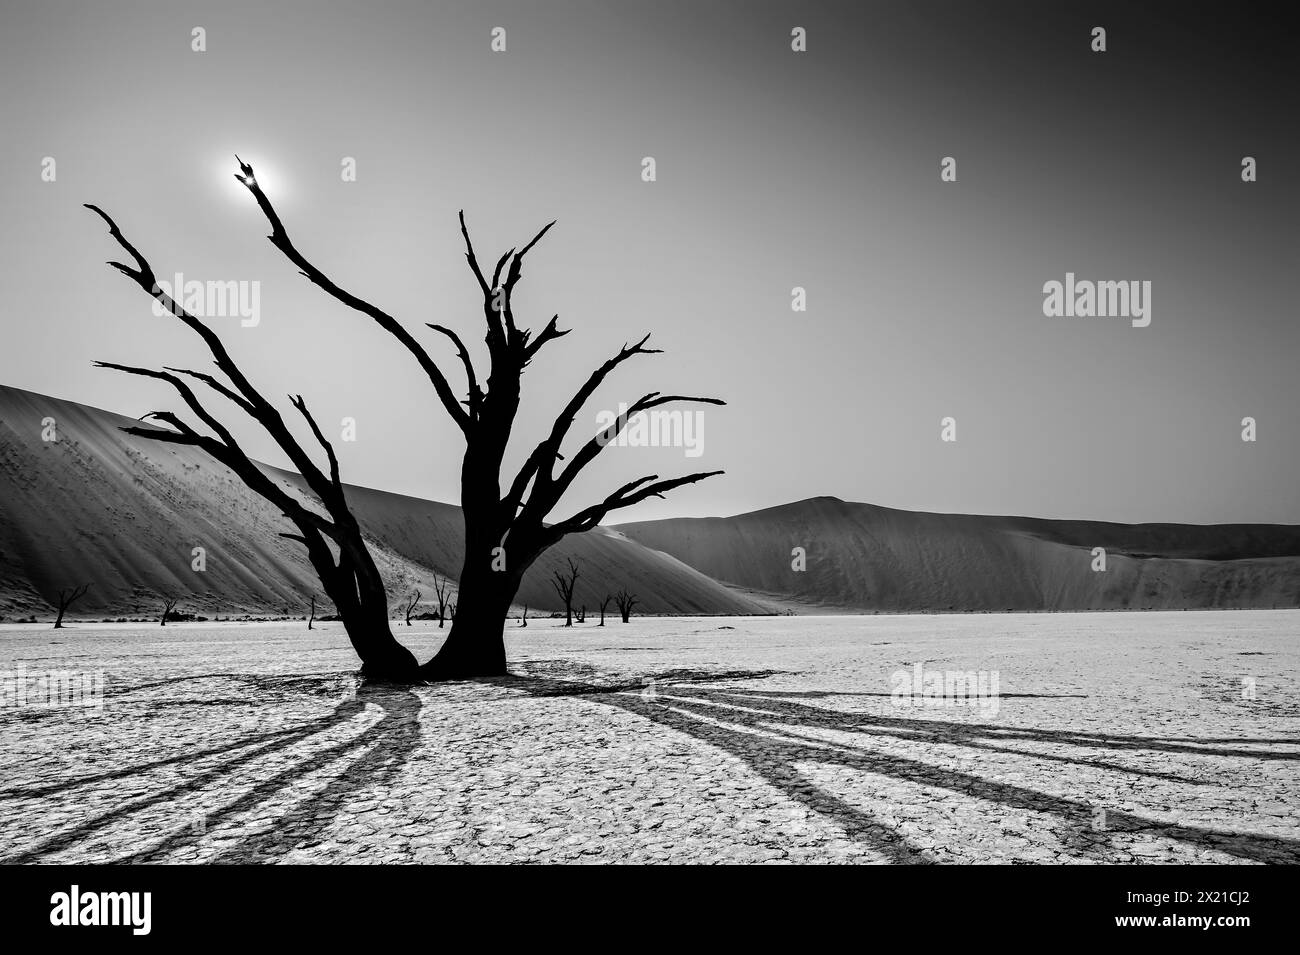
x=864, y=557
x=124, y=513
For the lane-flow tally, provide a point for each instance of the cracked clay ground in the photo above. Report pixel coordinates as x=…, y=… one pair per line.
x=1115, y=738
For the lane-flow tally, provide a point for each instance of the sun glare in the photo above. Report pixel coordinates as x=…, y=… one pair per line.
x=226, y=171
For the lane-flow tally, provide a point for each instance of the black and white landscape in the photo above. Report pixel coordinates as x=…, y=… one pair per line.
x=698, y=433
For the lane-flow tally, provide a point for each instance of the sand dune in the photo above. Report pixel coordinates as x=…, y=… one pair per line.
x=125, y=513
x=864, y=557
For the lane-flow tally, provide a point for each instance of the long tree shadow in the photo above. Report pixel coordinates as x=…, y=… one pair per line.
x=258, y=686
x=388, y=744
x=770, y=731
x=385, y=746
x=761, y=729
x=286, y=736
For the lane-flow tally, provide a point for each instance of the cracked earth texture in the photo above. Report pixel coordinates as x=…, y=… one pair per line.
x=1139, y=737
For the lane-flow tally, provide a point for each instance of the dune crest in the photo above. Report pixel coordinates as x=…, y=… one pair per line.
x=865, y=557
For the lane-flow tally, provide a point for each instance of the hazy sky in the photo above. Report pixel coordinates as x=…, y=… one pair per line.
x=775, y=169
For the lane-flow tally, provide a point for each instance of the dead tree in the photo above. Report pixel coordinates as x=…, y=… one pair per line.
x=563, y=583
x=67, y=597
x=169, y=604
x=582, y=614
x=625, y=602
x=351, y=579
x=507, y=523
x=442, y=589
x=408, y=608
x=523, y=621
x=312, y=619
x=603, y=604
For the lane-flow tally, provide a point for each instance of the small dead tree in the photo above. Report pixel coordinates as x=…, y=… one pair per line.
x=603, y=604
x=169, y=604
x=312, y=619
x=67, y=597
x=503, y=516
x=523, y=621
x=625, y=602
x=564, y=583
x=408, y=608
x=442, y=590
x=451, y=611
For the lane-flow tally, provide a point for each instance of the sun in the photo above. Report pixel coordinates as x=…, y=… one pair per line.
x=225, y=170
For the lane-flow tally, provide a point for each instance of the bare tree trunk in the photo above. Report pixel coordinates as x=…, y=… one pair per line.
x=442, y=589
x=475, y=644
x=312, y=619
x=357, y=591
x=625, y=602
x=67, y=598
x=564, y=583
x=409, y=607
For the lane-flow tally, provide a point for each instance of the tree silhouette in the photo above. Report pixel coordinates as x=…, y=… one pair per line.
x=564, y=582
x=442, y=590
x=505, y=531
x=335, y=546
x=67, y=597
x=625, y=602
x=603, y=604
x=312, y=619
x=169, y=604
x=408, y=608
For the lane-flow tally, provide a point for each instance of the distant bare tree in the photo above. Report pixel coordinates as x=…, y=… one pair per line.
x=603, y=604
x=523, y=621
x=67, y=598
x=408, y=608
x=169, y=604
x=625, y=602
x=312, y=619
x=442, y=590
x=507, y=523
x=564, y=583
